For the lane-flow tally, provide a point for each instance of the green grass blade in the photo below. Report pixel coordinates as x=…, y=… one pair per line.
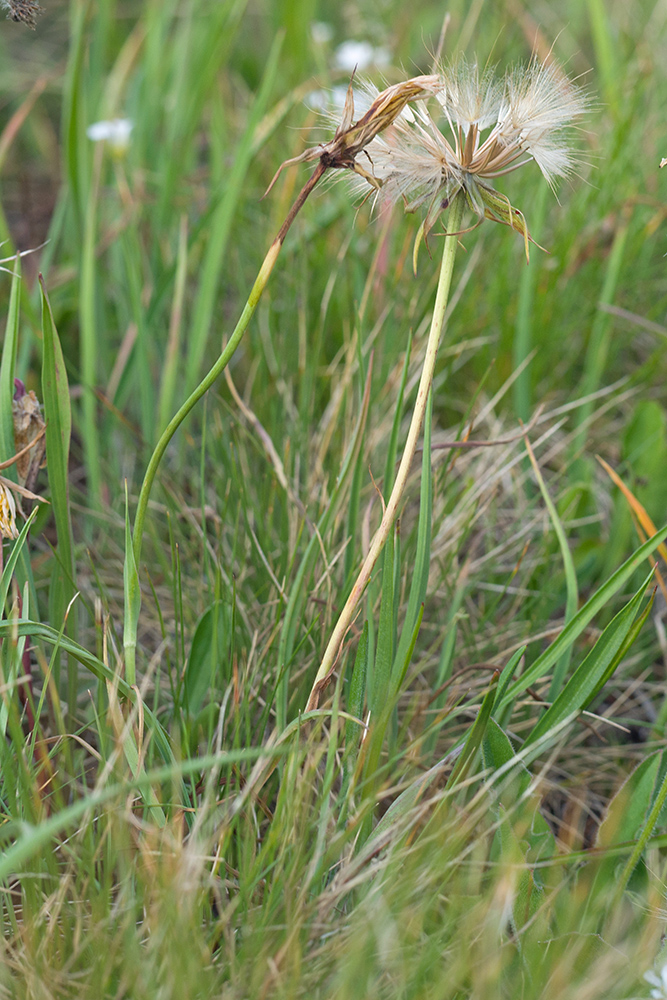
x=97, y=668
x=392, y=450
x=172, y=359
x=384, y=652
x=475, y=737
x=419, y=583
x=600, y=336
x=10, y=564
x=640, y=846
x=594, y=670
x=586, y=613
x=221, y=224
x=297, y=593
x=572, y=590
x=58, y=416
x=132, y=592
x=7, y=366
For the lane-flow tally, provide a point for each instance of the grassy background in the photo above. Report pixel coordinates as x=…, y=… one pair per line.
x=194, y=837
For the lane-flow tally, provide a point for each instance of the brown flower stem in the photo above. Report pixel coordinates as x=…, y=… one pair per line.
x=345, y=619
x=222, y=362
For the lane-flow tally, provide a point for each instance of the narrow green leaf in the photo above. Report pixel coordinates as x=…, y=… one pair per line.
x=95, y=666
x=507, y=674
x=132, y=592
x=640, y=846
x=12, y=559
x=419, y=585
x=585, y=614
x=357, y=690
x=384, y=653
x=629, y=807
x=204, y=671
x=297, y=592
x=392, y=449
x=586, y=680
x=572, y=599
x=221, y=223
x=57, y=413
x=7, y=366
x=475, y=736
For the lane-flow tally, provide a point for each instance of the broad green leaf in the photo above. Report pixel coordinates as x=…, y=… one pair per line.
x=629, y=807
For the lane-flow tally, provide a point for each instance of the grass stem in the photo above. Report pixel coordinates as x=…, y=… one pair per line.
x=391, y=510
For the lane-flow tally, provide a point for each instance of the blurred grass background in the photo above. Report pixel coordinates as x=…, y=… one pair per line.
x=148, y=259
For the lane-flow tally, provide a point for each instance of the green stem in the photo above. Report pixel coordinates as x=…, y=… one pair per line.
x=222, y=362
x=391, y=510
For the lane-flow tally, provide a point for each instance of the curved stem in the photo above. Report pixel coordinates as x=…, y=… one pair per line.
x=391, y=510
x=222, y=362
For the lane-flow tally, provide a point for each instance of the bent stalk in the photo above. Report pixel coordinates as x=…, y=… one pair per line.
x=222, y=362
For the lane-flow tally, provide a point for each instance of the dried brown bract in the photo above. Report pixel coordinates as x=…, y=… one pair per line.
x=23, y=10
x=351, y=138
x=28, y=430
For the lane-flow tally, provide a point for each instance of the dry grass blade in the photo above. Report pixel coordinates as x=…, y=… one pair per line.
x=643, y=523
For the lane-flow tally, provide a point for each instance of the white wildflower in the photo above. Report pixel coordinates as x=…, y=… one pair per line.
x=330, y=101
x=353, y=55
x=525, y=115
x=116, y=132
x=659, y=982
x=321, y=32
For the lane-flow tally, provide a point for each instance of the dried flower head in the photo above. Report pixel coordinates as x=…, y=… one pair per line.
x=22, y=10
x=8, y=527
x=351, y=138
x=525, y=116
x=29, y=440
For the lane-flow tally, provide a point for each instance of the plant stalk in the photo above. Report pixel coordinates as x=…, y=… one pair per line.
x=222, y=362
x=345, y=619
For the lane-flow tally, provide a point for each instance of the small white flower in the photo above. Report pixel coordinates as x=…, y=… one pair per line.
x=321, y=32
x=116, y=132
x=353, y=55
x=330, y=101
x=660, y=982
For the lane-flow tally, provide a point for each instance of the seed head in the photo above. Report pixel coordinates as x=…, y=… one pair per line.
x=525, y=115
x=22, y=10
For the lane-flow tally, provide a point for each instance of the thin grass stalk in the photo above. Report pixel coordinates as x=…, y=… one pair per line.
x=393, y=504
